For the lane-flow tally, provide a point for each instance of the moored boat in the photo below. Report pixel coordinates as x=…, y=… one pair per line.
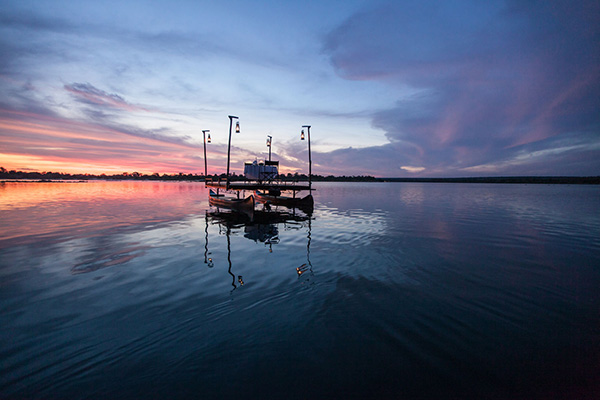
x=300, y=202
x=216, y=199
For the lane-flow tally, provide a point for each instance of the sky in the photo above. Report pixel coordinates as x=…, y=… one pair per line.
x=406, y=88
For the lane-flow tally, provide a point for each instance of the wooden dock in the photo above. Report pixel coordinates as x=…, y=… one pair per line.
x=256, y=185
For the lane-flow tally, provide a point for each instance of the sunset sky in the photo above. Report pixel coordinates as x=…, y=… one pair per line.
x=391, y=88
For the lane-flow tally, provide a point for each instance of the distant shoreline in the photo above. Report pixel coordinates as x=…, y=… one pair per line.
x=34, y=176
x=555, y=180
x=579, y=180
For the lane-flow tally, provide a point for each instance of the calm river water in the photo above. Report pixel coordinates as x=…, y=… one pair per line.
x=387, y=291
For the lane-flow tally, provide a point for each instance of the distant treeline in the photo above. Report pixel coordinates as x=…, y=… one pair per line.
x=42, y=176
x=53, y=176
x=4, y=174
x=589, y=180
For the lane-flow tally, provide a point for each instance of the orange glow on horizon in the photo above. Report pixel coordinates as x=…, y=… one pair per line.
x=38, y=143
x=26, y=163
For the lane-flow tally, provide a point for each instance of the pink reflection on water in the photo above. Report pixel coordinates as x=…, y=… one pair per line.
x=29, y=211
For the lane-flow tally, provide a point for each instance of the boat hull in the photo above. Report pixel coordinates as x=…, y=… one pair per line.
x=231, y=202
x=306, y=201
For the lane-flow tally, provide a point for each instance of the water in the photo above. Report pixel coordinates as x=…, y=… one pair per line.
x=141, y=290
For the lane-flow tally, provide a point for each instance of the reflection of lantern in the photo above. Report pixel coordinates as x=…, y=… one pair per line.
x=237, y=127
x=301, y=269
x=302, y=135
x=208, y=140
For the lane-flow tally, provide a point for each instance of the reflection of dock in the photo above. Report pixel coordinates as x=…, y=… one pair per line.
x=233, y=219
x=258, y=226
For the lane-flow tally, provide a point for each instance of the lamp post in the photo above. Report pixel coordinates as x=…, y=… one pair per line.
x=269, y=145
x=309, y=160
x=205, y=167
x=237, y=130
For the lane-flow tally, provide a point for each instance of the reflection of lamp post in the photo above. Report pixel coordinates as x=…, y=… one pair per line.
x=229, y=259
x=306, y=267
x=309, y=160
x=269, y=145
x=237, y=130
x=207, y=260
x=205, y=168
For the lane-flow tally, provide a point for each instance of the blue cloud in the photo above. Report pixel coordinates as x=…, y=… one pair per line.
x=492, y=75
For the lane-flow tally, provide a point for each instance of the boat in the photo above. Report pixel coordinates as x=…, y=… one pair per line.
x=275, y=198
x=219, y=200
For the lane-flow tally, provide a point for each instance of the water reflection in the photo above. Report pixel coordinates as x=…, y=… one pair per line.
x=207, y=260
x=115, y=254
x=431, y=291
x=31, y=212
x=259, y=226
x=307, y=267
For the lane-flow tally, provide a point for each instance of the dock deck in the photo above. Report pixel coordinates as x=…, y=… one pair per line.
x=255, y=185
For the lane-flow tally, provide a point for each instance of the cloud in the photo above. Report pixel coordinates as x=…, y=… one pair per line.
x=569, y=154
x=411, y=168
x=22, y=96
x=88, y=94
x=491, y=76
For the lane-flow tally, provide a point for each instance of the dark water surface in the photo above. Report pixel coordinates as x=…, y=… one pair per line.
x=141, y=290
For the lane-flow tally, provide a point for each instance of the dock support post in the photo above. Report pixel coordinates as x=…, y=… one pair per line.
x=309, y=160
x=205, y=167
x=231, y=117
